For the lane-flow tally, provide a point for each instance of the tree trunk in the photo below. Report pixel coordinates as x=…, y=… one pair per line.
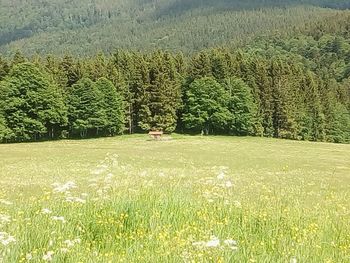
x=130, y=120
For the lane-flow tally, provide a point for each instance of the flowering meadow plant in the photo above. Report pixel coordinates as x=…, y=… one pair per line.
x=192, y=199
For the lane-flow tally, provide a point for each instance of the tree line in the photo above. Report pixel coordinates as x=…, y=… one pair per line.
x=295, y=88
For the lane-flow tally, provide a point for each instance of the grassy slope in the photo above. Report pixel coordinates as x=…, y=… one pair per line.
x=288, y=199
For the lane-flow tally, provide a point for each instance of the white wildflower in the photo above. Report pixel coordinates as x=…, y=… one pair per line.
x=5, y=202
x=4, y=219
x=228, y=184
x=100, y=169
x=108, y=178
x=221, y=175
x=62, y=188
x=213, y=242
x=101, y=192
x=9, y=240
x=29, y=256
x=69, y=243
x=293, y=260
x=64, y=250
x=72, y=199
x=6, y=239
x=46, y=211
x=231, y=243
x=237, y=204
x=48, y=256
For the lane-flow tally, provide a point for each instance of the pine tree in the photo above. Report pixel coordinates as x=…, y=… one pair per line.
x=266, y=98
x=122, y=68
x=85, y=112
x=53, y=66
x=112, y=106
x=71, y=70
x=258, y=79
x=18, y=58
x=339, y=125
x=97, y=67
x=200, y=66
x=337, y=116
x=313, y=120
x=316, y=112
x=162, y=97
x=219, y=64
x=139, y=92
x=4, y=68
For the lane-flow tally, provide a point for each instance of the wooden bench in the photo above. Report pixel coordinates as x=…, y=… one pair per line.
x=156, y=135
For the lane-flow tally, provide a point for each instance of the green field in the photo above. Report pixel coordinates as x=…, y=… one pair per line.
x=190, y=199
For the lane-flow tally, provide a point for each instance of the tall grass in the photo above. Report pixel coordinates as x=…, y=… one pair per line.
x=188, y=200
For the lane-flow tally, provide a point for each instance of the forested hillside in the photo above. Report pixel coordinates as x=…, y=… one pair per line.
x=295, y=87
x=86, y=26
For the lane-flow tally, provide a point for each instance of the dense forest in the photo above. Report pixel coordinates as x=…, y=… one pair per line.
x=295, y=87
x=83, y=27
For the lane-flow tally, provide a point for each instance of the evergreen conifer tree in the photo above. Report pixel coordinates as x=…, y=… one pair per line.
x=113, y=107
x=85, y=109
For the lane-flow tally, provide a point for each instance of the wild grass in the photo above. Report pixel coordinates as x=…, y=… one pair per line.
x=192, y=199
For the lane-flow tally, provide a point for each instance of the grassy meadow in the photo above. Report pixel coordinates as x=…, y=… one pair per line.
x=190, y=199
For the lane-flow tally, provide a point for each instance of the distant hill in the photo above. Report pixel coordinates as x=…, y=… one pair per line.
x=87, y=26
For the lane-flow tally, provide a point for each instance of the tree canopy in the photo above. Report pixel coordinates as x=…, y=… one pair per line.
x=31, y=104
x=84, y=26
x=295, y=87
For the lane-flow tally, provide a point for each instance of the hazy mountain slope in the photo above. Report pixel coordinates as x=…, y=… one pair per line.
x=84, y=26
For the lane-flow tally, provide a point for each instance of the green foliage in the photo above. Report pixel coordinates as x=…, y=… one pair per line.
x=84, y=26
x=4, y=131
x=112, y=105
x=4, y=68
x=31, y=104
x=339, y=126
x=161, y=99
x=206, y=107
x=242, y=107
x=95, y=108
x=293, y=87
x=85, y=109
